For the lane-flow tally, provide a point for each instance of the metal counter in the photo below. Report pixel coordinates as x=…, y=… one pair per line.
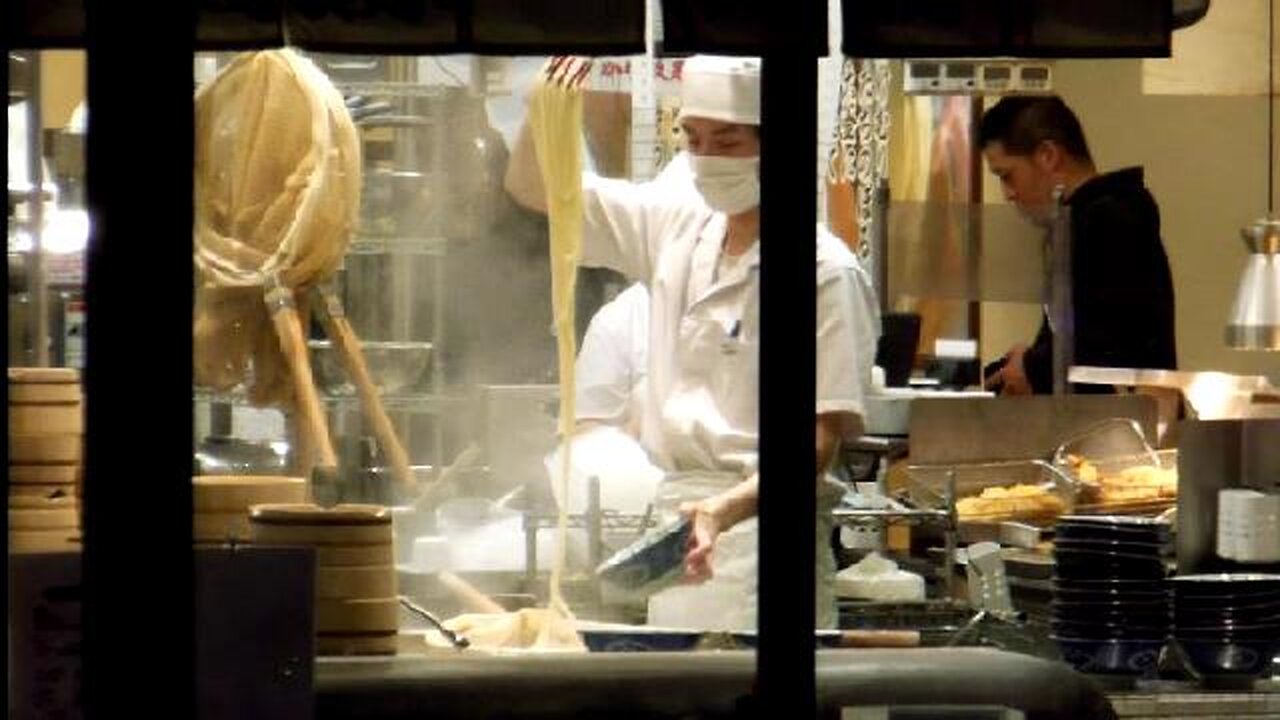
x=693, y=684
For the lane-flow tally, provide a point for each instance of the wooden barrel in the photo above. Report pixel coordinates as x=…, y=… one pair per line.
x=356, y=598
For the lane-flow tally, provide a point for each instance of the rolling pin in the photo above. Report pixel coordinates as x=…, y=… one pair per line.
x=473, y=599
x=312, y=429
x=879, y=638
x=348, y=345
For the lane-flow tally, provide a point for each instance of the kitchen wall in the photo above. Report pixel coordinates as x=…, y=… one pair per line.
x=63, y=74
x=1206, y=163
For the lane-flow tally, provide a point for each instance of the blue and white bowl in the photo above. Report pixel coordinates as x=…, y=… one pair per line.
x=654, y=561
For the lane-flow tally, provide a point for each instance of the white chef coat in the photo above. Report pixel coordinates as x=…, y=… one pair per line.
x=703, y=360
x=611, y=364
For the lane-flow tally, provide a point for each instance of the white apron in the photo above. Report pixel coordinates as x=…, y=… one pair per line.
x=728, y=601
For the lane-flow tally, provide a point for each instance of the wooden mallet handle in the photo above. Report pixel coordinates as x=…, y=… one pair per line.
x=311, y=423
x=348, y=346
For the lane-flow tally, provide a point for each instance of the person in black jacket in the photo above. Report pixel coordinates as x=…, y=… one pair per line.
x=1121, y=285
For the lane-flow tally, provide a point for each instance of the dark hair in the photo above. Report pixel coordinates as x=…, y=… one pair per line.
x=1021, y=122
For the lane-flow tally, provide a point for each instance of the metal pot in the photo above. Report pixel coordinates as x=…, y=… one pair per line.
x=400, y=203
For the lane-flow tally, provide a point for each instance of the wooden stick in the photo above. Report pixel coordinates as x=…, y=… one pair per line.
x=468, y=594
x=348, y=346
x=879, y=638
x=312, y=428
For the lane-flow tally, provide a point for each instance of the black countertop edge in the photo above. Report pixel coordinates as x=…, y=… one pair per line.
x=694, y=684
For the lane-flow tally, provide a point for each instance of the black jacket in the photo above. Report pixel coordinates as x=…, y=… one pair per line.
x=1122, y=290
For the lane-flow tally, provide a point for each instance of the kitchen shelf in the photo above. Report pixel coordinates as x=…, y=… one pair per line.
x=943, y=517
x=851, y=516
x=609, y=520
x=402, y=402
x=386, y=87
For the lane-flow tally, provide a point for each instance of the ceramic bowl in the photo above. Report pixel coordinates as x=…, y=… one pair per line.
x=657, y=558
x=1110, y=657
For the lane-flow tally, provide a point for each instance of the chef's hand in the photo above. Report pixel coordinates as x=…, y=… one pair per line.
x=1012, y=377
x=704, y=517
x=712, y=516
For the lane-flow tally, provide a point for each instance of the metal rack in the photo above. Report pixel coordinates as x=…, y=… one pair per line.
x=945, y=517
x=595, y=520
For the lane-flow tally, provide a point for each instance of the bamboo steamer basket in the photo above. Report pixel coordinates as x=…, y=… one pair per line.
x=43, y=475
x=357, y=615
x=354, y=555
x=45, y=449
x=40, y=524
x=222, y=503
x=44, y=490
x=356, y=603
x=43, y=376
x=41, y=541
x=45, y=401
x=46, y=419
x=44, y=393
x=237, y=493
x=43, y=518
x=217, y=527
x=309, y=524
x=356, y=643
x=36, y=502
x=355, y=581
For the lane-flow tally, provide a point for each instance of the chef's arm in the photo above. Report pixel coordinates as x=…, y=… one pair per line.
x=606, y=120
x=524, y=179
x=830, y=428
x=741, y=501
x=720, y=512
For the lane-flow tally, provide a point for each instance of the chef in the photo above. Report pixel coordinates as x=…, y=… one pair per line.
x=699, y=256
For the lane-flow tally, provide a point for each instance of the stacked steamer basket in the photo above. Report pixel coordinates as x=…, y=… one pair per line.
x=46, y=430
x=1110, y=610
x=222, y=503
x=356, y=601
x=1227, y=625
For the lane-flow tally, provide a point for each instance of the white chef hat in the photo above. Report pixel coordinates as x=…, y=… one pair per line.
x=721, y=88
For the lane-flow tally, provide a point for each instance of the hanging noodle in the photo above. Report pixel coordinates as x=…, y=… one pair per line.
x=555, y=120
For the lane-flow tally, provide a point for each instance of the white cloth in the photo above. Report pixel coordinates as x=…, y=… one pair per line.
x=729, y=599
x=607, y=453
x=703, y=362
x=610, y=368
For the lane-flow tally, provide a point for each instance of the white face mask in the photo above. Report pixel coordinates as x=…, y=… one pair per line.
x=730, y=185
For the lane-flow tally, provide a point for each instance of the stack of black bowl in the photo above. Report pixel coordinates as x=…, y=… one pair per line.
x=1227, y=625
x=1110, y=610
